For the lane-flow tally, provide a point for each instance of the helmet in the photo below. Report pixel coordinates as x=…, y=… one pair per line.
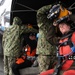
x=62, y=19
x=30, y=26
x=67, y=20
x=57, y=11
x=54, y=12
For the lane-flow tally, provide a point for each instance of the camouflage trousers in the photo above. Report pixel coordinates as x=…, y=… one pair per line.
x=46, y=62
x=8, y=61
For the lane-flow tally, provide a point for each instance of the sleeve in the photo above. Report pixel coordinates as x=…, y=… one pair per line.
x=53, y=40
x=42, y=16
x=44, y=23
x=25, y=29
x=53, y=36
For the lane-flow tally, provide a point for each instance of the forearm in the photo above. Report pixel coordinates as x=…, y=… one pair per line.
x=53, y=40
x=25, y=29
x=42, y=16
x=46, y=25
x=52, y=36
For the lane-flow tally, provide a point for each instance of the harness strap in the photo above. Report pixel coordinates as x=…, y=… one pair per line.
x=60, y=61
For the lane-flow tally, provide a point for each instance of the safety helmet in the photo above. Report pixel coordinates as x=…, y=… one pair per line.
x=64, y=19
x=67, y=20
x=57, y=11
x=30, y=26
x=54, y=12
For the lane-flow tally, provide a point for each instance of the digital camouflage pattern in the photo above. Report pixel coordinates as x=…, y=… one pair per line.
x=11, y=42
x=44, y=48
x=45, y=25
x=46, y=62
x=8, y=61
x=11, y=38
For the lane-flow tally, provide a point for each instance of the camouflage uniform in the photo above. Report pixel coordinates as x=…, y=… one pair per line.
x=11, y=43
x=44, y=48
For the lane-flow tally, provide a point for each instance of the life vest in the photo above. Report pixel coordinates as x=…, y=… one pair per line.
x=69, y=72
x=27, y=53
x=66, y=50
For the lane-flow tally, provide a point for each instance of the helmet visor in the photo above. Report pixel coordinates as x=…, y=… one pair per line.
x=54, y=12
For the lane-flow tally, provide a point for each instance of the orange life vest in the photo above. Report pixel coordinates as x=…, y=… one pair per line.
x=28, y=52
x=64, y=50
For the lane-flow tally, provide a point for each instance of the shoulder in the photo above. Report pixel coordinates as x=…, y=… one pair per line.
x=44, y=8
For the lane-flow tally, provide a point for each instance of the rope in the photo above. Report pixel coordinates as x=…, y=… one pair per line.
x=22, y=11
x=71, y=7
x=26, y=7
